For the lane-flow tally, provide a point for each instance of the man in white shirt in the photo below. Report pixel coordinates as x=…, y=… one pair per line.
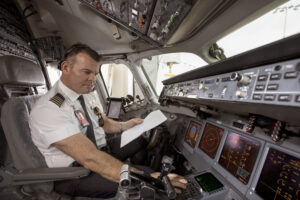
x=67, y=126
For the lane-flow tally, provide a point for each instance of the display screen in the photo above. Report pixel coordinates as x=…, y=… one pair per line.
x=211, y=139
x=239, y=155
x=114, y=109
x=192, y=134
x=208, y=182
x=280, y=177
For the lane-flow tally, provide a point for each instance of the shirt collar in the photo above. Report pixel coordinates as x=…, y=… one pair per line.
x=68, y=92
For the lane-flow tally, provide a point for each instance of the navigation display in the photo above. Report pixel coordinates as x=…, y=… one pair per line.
x=280, y=177
x=211, y=139
x=239, y=155
x=192, y=134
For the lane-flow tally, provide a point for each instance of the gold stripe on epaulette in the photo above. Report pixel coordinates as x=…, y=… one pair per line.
x=58, y=99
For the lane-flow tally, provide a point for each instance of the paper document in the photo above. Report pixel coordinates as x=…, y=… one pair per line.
x=152, y=120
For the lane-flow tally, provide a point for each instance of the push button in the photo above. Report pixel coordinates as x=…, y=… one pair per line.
x=257, y=97
x=284, y=97
x=272, y=87
x=275, y=76
x=288, y=75
x=259, y=87
x=269, y=97
x=262, y=78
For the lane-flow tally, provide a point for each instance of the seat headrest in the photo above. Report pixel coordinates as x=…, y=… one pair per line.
x=18, y=71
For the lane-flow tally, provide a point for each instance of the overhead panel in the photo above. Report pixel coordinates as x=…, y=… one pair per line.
x=152, y=20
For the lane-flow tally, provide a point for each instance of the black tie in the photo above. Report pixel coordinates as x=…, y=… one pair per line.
x=90, y=130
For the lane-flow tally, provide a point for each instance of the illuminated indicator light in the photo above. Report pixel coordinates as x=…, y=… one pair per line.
x=141, y=25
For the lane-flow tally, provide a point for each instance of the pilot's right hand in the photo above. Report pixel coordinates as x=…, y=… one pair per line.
x=178, y=182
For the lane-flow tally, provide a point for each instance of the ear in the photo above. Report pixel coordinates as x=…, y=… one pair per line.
x=64, y=66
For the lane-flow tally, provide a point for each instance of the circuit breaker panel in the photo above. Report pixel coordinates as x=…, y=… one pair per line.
x=153, y=20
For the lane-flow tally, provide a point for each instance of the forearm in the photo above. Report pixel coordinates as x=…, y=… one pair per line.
x=90, y=157
x=111, y=126
x=105, y=165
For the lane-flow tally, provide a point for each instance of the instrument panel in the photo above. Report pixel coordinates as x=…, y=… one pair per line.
x=255, y=167
x=276, y=84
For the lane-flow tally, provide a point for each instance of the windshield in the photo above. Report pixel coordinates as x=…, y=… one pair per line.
x=161, y=67
x=119, y=81
x=279, y=23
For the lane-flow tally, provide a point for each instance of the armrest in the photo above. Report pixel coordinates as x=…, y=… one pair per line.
x=38, y=174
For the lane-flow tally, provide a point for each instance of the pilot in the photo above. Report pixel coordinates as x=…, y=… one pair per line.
x=68, y=127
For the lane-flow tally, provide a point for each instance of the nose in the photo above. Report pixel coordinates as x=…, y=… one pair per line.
x=92, y=77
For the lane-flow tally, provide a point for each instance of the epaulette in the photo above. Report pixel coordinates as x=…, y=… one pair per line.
x=58, y=99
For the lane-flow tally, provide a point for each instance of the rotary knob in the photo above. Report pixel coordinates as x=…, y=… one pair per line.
x=242, y=79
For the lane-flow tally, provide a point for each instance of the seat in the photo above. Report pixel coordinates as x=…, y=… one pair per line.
x=18, y=80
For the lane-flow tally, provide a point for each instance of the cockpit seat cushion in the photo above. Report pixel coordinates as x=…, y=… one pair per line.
x=14, y=119
x=18, y=71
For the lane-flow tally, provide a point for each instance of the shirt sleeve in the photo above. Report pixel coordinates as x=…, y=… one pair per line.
x=52, y=124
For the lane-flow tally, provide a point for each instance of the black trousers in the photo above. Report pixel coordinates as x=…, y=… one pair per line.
x=94, y=185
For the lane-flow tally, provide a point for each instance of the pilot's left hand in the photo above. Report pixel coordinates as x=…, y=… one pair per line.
x=131, y=123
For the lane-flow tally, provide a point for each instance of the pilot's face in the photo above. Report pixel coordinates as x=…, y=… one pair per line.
x=79, y=74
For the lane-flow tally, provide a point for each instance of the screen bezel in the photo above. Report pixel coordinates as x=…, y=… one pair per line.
x=221, y=141
x=238, y=184
x=199, y=152
x=185, y=144
x=109, y=106
x=255, y=158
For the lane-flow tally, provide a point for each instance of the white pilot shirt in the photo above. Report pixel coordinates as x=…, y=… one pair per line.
x=50, y=123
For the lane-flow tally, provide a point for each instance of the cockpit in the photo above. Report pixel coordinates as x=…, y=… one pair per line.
x=224, y=73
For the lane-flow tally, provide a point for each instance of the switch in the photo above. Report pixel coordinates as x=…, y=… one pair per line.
x=241, y=94
x=275, y=76
x=259, y=87
x=272, y=87
x=284, y=97
x=270, y=97
x=262, y=78
x=257, y=96
x=289, y=75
